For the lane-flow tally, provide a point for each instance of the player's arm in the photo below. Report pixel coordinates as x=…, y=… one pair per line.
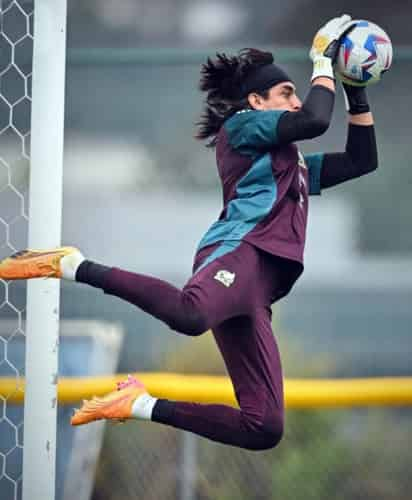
x=360, y=156
x=254, y=131
x=260, y=131
x=314, y=118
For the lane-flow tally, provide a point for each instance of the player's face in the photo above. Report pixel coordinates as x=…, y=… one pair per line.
x=281, y=96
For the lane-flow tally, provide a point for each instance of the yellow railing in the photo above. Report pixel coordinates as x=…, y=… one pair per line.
x=299, y=393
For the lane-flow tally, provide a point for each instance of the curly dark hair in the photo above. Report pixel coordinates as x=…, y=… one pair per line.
x=222, y=78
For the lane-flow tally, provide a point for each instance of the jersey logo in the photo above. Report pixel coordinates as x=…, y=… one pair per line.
x=301, y=160
x=225, y=277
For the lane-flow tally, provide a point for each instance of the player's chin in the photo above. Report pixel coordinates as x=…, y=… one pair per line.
x=285, y=108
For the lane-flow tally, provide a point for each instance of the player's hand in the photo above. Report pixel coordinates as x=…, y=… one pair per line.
x=325, y=45
x=326, y=40
x=356, y=99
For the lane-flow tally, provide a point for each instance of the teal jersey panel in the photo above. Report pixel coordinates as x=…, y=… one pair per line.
x=250, y=131
x=220, y=251
x=256, y=194
x=314, y=163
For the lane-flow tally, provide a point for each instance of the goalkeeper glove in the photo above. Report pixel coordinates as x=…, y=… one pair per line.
x=325, y=45
x=356, y=100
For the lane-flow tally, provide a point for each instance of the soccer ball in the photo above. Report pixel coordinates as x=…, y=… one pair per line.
x=364, y=54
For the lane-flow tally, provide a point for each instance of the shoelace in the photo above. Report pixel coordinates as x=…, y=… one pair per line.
x=130, y=381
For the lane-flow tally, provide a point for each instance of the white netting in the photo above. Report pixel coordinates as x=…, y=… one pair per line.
x=16, y=44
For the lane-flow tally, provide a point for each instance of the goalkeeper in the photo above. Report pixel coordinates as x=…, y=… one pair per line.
x=249, y=258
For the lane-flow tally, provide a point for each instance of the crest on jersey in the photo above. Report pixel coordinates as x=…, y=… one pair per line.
x=225, y=277
x=301, y=160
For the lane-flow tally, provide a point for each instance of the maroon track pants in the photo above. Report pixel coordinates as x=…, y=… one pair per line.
x=232, y=296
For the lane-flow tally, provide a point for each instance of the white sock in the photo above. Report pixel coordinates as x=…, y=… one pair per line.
x=143, y=406
x=69, y=264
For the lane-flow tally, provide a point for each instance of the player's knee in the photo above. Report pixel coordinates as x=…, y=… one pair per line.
x=271, y=433
x=194, y=320
x=191, y=322
x=194, y=326
x=266, y=434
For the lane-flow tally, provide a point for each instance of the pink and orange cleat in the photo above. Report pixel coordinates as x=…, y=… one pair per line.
x=34, y=264
x=115, y=406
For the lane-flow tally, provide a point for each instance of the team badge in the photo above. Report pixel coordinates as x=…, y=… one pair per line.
x=301, y=160
x=225, y=277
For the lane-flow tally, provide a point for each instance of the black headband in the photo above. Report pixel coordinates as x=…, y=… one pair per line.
x=263, y=78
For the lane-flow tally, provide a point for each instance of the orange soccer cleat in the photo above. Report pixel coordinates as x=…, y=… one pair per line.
x=115, y=406
x=35, y=263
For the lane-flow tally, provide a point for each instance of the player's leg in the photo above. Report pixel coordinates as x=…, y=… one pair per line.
x=28, y=264
x=253, y=362
x=252, y=359
x=203, y=303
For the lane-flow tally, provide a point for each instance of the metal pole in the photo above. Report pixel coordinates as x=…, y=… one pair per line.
x=47, y=125
x=188, y=467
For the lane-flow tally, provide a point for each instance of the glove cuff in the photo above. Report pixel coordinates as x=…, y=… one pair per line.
x=322, y=66
x=356, y=99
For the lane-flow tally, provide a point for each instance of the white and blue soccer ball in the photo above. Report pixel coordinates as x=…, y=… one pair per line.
x=364, y=55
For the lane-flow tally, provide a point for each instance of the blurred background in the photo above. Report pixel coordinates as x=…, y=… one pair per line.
x=139, y=193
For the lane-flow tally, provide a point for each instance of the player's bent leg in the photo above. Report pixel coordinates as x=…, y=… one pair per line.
x=204, y=301
x=157, y=297
x=179, y=309
x=253, y=362
x=130, y=400
x=59, y=262
x=257, y=428
x=241, y=428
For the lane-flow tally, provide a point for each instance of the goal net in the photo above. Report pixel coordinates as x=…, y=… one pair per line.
x=16, y=48
x=31, y=150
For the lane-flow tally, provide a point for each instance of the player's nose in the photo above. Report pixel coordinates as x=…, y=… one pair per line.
x=296, y=103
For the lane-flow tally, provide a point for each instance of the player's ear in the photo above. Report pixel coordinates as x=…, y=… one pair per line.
x=255, y=101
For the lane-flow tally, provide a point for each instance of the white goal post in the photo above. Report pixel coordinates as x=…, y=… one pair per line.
x=45, y=208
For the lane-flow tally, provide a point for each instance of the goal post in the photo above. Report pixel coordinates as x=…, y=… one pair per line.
x=45, y=212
